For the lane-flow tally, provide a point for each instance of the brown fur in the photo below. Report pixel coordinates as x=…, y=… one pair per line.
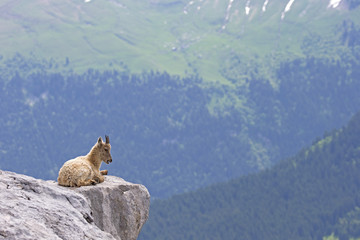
x=85, y=170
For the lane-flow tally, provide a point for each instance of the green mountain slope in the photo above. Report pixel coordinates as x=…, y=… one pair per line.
x=180, y=37
x=163, y=133
x=170, y=133
x=173, y=133
x=309, y=196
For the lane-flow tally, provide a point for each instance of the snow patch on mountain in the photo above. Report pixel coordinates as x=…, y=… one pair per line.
x=334, y=3
x=264, y=5
x=227, y=16
x=247, y=7
x=228, y=10
x=187, y=6
x=287, y=8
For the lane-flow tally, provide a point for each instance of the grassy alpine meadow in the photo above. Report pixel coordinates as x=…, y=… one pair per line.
x=180, y=37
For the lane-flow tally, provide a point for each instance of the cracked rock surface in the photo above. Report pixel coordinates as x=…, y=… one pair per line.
x=36, y=209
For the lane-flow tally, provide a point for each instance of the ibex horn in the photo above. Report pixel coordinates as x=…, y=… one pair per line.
x=107, y=139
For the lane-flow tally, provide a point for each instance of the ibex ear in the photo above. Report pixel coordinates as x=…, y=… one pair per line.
x=100, y=140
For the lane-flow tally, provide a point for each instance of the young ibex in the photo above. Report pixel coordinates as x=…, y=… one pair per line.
x=85, y=170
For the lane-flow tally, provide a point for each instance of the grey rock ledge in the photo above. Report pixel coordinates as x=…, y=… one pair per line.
x=36, y=209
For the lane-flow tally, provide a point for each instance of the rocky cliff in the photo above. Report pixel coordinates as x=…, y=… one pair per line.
x=36, y=209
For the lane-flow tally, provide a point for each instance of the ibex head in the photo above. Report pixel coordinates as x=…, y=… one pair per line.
x=104, y=149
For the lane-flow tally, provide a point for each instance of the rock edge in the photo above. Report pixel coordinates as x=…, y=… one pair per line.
x=36, y=209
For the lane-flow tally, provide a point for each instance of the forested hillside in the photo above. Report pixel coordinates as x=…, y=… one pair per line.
x=160, y=129
x=177, y=133
x=194, y=93
x=314, y=194
x=171, y=133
